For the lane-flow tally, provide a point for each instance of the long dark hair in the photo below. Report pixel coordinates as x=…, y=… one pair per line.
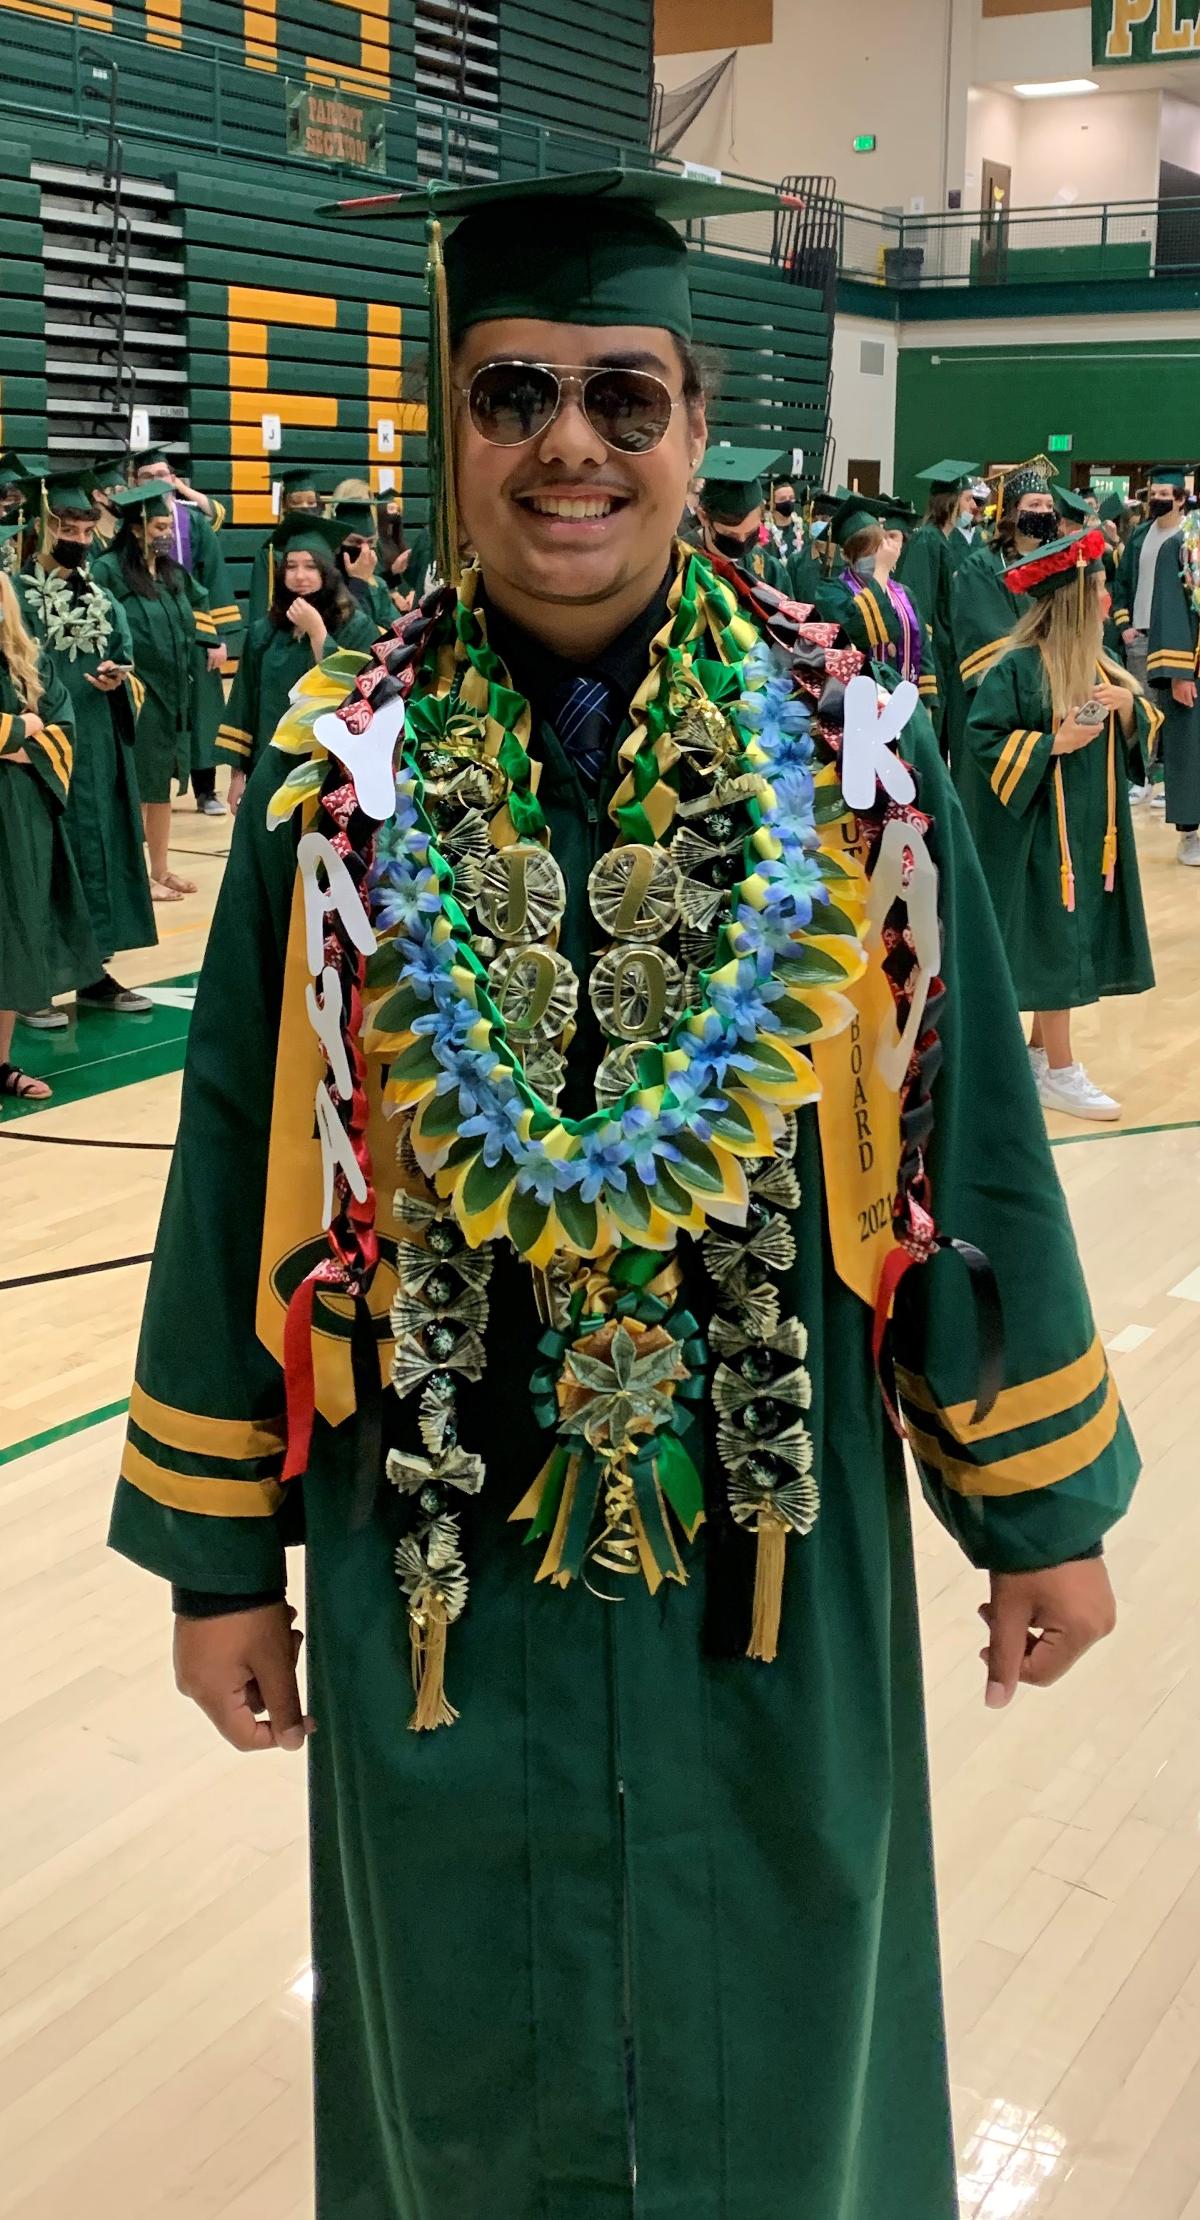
x=393, y=541
x=166, y=577
x=332, y=602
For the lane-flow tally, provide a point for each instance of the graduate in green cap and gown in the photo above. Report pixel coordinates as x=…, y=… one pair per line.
x=84, y=637
x=298, y=496
x=791, y=538
x=163, y=606
x=1150, y=545
x=540, y=991
x=981, y=608
x=933, y=552
x=16, y=477
x=312, y=614
x=731, y=508
x=46, y=939
x=196, y=521
x=1045, y=793
x=358, y=561
x=863, y=596
x=1172, y=670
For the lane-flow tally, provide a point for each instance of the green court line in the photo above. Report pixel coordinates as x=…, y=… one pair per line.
x=60, y=1433
x=1122, y=1133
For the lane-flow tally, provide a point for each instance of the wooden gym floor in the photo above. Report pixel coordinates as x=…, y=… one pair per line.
x=154, y=1980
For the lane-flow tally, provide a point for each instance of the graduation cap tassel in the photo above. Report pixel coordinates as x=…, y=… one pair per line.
x=768, y=1586
x=441, y=411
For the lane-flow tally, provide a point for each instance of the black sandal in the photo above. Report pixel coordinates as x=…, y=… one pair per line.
x=22, y=1085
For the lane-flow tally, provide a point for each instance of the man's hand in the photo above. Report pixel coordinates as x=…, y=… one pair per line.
x=1183, y=691
x=1041, y=1623
x=218, y=656
x=239, y=1666
x=364, y=563
x=106, y=677
x=1130, y=634
x=237, y=787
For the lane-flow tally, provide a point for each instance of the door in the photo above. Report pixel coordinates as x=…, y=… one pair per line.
x=995, y=195
x=863, y=477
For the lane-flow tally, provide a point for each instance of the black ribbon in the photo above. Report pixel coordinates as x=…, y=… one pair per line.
x=989, y=1323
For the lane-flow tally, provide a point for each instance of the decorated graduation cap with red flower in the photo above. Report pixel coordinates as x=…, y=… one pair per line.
x=1079, y=556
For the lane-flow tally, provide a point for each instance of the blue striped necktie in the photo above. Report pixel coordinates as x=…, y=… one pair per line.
x=582, y=717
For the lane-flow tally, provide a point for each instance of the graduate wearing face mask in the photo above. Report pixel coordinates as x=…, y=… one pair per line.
x=731, y=511
x=981, y=611
x=789, y=526
x=85, y=640
x=863, y=595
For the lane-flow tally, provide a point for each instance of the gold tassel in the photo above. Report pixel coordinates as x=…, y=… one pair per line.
x=427, y=1636
x=768, y=1587
x=442, y=428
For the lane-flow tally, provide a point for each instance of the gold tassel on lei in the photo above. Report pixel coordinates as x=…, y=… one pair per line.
x=444, y=503
x=427, y=1636
x=768, y=1587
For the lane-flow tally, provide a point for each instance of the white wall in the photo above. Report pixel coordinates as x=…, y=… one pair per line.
x=864, y=405
x=1019, y=49
x=1102, y=146
x=830, y=74
x=993, y=135
x=1180, y=132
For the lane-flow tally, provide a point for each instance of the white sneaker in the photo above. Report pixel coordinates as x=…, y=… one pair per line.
x=1140, y=794
x=1188, y=850
x=1158, y=798
x=1039, y=1062
x=1071, y=1091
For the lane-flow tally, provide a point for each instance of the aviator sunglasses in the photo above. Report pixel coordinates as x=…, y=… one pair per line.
x=512, y=403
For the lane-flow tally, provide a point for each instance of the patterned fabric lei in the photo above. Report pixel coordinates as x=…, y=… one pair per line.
x=698, y=1142
x=1190, y=559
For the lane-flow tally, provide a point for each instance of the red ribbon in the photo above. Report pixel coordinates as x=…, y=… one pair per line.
x=298, y=1380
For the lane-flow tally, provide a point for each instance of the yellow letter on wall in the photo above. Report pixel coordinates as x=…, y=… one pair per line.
x=1126, y=15
x=252, y=310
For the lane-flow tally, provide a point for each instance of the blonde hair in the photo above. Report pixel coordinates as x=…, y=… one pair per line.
x=352, y=489
x=1071, y=644
x=18, y=648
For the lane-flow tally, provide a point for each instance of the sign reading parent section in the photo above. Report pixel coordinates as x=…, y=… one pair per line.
x=1145, y=30
x=326, y=127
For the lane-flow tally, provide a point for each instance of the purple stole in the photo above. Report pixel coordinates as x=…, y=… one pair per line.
x=907, y=656
x=181, y=517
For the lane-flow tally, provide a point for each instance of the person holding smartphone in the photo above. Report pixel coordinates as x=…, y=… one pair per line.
x=85, y=639
x=1043, y=784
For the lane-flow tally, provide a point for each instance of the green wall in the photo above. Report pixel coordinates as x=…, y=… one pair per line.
x=1119, y=398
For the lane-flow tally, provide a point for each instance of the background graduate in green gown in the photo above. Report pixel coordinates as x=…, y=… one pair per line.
x=933, y=551
x=731, y=509
x=981, y=610
x=163, y=606
x=650, y=1929
x=312, y=613
x=1043, y=783
x=358, y=561
x=299, y=495
x=85, y=639
x=862, y=595
x=791, y=539
x=1173, y=671
x=46, y=939
x=196, y=522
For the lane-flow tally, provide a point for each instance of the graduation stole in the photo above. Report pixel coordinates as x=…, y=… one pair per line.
x=433, y=914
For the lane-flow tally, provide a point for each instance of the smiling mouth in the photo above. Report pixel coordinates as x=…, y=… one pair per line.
x=573, y=508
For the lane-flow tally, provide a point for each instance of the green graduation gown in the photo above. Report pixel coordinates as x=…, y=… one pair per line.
x=164, y=632
x=422, y=574
x=273, y=661
x=926, y=570
x=982, y=614
x=1042, y=827
x=879, y=624
x=218, y=624
x=634, y=1899
x=1173, y=652
x=79, y=629
x=46, y=938
x=794, y=547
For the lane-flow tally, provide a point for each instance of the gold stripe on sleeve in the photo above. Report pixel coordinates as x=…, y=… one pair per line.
x=1035, y=1468
x=1020, y=767
x=232, y=1438
x=1027, y=1404
x=180, y=1491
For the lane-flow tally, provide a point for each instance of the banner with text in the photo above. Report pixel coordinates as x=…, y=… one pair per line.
x=1145, y=31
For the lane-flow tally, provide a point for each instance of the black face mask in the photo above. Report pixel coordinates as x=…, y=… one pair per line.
x=70, y=554
x=785, y=509
x=1038, y=524
x=1160, y=504
x=728, y=543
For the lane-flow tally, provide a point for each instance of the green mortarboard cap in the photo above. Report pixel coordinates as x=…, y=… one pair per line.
x=1070, y=503
x=355, y=516
x=9, y=532
x=733, y=480
x=21, y=469
x=899, y=516
x=109, y=470
x=1113, y=509
x=299, y=478
x=948, y=476
x=1167, y=474
x=595, y=248
x=856, y=513
x=145, y=456
x=308, y=534
x=66, y=489
x=134, y=504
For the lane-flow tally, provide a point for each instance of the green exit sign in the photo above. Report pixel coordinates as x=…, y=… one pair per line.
x=1060, y=443
x=865, y=143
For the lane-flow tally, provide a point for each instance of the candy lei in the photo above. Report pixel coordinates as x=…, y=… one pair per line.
x=728, y=821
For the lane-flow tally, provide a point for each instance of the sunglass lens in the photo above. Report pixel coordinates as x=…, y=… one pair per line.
x=629, y=409
x=512, y=402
